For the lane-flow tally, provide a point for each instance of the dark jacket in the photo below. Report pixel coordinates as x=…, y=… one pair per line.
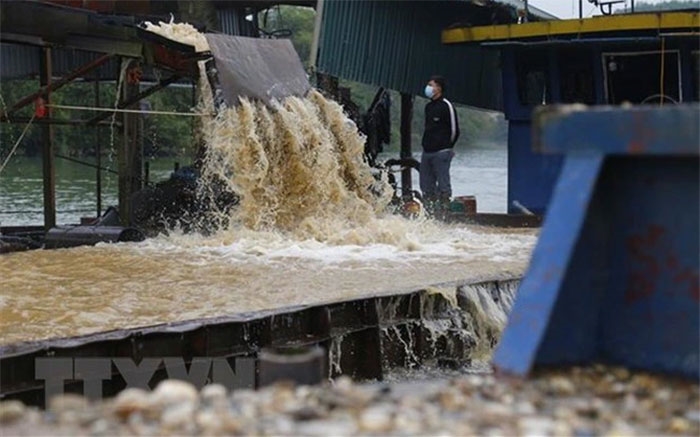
x=441, y=125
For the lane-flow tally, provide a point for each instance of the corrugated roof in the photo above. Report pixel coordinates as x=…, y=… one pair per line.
x=22, y=61
x=397, y=45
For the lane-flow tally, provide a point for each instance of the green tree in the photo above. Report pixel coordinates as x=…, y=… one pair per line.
x=164, y=135
x=296, y=21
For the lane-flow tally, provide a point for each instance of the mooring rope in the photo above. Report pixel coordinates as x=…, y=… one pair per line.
x=130, y=111
x=19, y=140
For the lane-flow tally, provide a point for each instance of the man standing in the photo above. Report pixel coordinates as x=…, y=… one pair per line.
x=440, y=135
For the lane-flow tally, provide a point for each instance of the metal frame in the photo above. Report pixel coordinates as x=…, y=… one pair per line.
x=641, y=53
x=114, y=39
x=56, y=85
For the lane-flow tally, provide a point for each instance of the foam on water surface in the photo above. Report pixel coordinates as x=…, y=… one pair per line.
x=50, y=293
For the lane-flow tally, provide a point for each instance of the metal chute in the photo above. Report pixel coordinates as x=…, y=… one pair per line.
x=261, y=69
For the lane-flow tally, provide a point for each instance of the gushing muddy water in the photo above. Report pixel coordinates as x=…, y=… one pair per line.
x=57, y=293
x=312, y=226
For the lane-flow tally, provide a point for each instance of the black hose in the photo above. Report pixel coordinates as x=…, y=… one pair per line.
x=87, y=164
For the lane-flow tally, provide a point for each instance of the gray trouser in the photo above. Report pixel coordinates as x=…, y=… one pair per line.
x=435, y=174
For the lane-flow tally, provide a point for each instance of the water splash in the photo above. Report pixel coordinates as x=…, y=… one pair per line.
x=312, y=227
x=298, y=169
x=335, y=354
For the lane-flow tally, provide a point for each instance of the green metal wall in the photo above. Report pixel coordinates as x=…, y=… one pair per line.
x=397, y=45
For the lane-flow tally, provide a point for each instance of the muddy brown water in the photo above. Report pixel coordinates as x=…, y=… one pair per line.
x=312, y=226
x=66, y=292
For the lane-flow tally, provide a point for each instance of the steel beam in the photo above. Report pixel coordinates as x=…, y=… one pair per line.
x=98, y=154
x=135, y=98
x=130, y=153
x=406, y=121
x=53, y=86
x=56, y=121
x=48, y=164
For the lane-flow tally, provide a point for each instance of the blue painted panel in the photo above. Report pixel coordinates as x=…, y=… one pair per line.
x=651, y=317
x=531, y=177
x=615, y=275
x=641, y=130
x=539, y=291
x=511, y=106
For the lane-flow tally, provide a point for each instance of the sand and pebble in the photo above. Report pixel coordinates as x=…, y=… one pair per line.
x=595, y=400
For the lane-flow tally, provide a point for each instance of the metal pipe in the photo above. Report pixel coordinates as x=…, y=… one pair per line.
x=405, y=129
x=87, y=164
x=91, y=165
x=58, y=121
x=316, y=35
x=98, y=152
x=47, y=149
x=589, y=41
x=580, y=9
x=527, y=10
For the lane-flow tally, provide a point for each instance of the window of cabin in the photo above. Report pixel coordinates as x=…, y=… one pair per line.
x=532, y=77
x=637, y=77
x=576, y=73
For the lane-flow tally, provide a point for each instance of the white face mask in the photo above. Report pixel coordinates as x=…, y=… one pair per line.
x=429, y=91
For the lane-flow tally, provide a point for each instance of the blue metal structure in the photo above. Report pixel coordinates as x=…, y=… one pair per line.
x=561, y=71
x=614, y=276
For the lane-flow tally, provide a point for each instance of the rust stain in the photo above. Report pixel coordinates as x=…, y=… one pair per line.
x=635, y=147
x=672, y=262
x=652, y=257
x=642, y=248
x=693, y=279
x=639, y=287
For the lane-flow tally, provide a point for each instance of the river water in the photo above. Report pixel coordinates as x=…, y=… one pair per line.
x=479, y=170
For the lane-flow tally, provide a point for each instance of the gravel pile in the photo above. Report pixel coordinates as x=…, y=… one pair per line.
x=581, y=401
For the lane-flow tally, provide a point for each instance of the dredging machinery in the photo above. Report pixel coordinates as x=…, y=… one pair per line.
x=231, y=67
